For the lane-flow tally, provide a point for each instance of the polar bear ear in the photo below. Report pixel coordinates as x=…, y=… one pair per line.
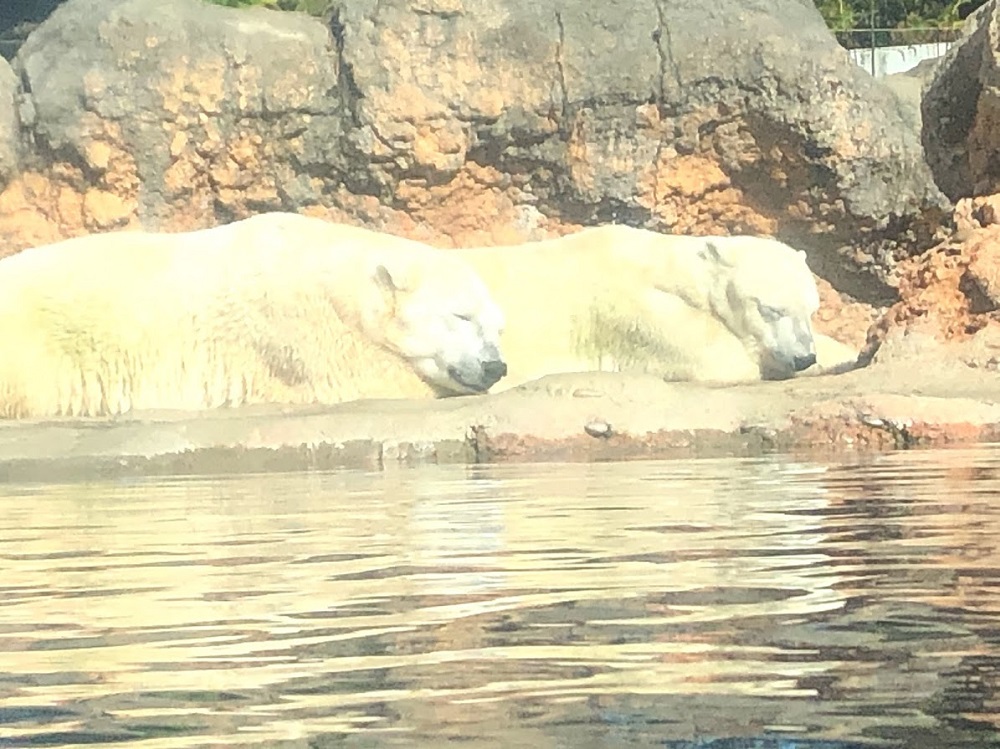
x=383, y=279
x=387, y=287
x=392, y=282
x=710, y=252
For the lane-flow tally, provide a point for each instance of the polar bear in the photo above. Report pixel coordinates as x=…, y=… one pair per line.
x=278, y=308
x=719, y=309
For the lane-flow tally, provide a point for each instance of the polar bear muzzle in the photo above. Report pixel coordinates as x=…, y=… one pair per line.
x=789, y=347
x=466, y=374
x=479, y=375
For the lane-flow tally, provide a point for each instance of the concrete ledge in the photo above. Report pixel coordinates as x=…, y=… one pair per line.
x=581, y=417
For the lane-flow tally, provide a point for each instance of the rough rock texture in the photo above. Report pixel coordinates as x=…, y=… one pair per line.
x=961, y=110
x=473, y=121
x=746, y=117
x=916, y=392
x=182, y=110
x=983, y=272
x=909, y=87
x=952, y=291
x=843, y=318
x=10, y=133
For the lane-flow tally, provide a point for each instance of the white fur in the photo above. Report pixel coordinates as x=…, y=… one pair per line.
x=277, y=308
x=723, y=309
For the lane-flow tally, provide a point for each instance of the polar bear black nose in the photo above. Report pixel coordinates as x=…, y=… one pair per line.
x=493, y=370
x=803, y=362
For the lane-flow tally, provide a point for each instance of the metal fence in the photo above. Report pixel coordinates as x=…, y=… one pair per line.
x=887, y=51
x=873, y=38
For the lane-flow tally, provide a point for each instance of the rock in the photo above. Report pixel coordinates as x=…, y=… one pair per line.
x=960, y=111
x=934, y=298
x=598, y=428
x=680, y=116
x=481, y=121
x=983, y=273
x=10, y=133
x=988, y=209
x=909, y=86
x=976, y=213
x=183, y=113
x=843, y=318
x=951, y=292
x=909, y=90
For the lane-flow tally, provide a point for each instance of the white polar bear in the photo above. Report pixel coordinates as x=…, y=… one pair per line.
x=722, y=309
x=278, y=308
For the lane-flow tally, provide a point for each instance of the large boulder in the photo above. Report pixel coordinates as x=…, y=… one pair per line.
x=685, y=115
x=909, y=86
x=462, y=115
x=961, y=110
x=183, y=109
x=10, y=133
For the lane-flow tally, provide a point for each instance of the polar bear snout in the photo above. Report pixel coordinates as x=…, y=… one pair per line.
x=480, y=374
x=803, y=362
x=788, y=347
x=494, y=371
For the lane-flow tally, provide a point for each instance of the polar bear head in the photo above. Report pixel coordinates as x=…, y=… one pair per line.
x=436, y=313
x=763, y=291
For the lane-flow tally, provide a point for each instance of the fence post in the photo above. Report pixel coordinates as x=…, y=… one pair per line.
x=871, y=23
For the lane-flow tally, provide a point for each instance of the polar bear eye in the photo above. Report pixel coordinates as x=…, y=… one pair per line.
x=464, y=318
x=770, y=314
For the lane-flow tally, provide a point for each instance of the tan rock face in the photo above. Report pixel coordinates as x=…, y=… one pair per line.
x=36, y=210
x=608, y=113
x=977, y=220
x=175, y=115
x=471, y=122
x=843, y=318
x=693, y=195
x=931, y=299
x=951, y=292
x=983, y=273
x=10, y=136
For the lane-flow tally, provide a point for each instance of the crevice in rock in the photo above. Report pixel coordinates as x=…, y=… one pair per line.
x=357, y=173
x=349, y=90
x=560, y=47
x=26, y=114
x=979, y=300
x=664, y=50
x=605, y=211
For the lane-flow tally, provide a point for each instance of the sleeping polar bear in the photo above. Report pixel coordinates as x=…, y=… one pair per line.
x=720, y=309
x=278, y=308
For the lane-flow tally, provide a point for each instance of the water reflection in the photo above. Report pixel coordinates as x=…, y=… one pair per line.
x=765, y=603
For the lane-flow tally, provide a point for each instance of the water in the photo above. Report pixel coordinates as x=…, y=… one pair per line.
x=766, y=603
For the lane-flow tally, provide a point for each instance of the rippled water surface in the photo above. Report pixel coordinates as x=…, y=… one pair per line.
x=767, y=603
